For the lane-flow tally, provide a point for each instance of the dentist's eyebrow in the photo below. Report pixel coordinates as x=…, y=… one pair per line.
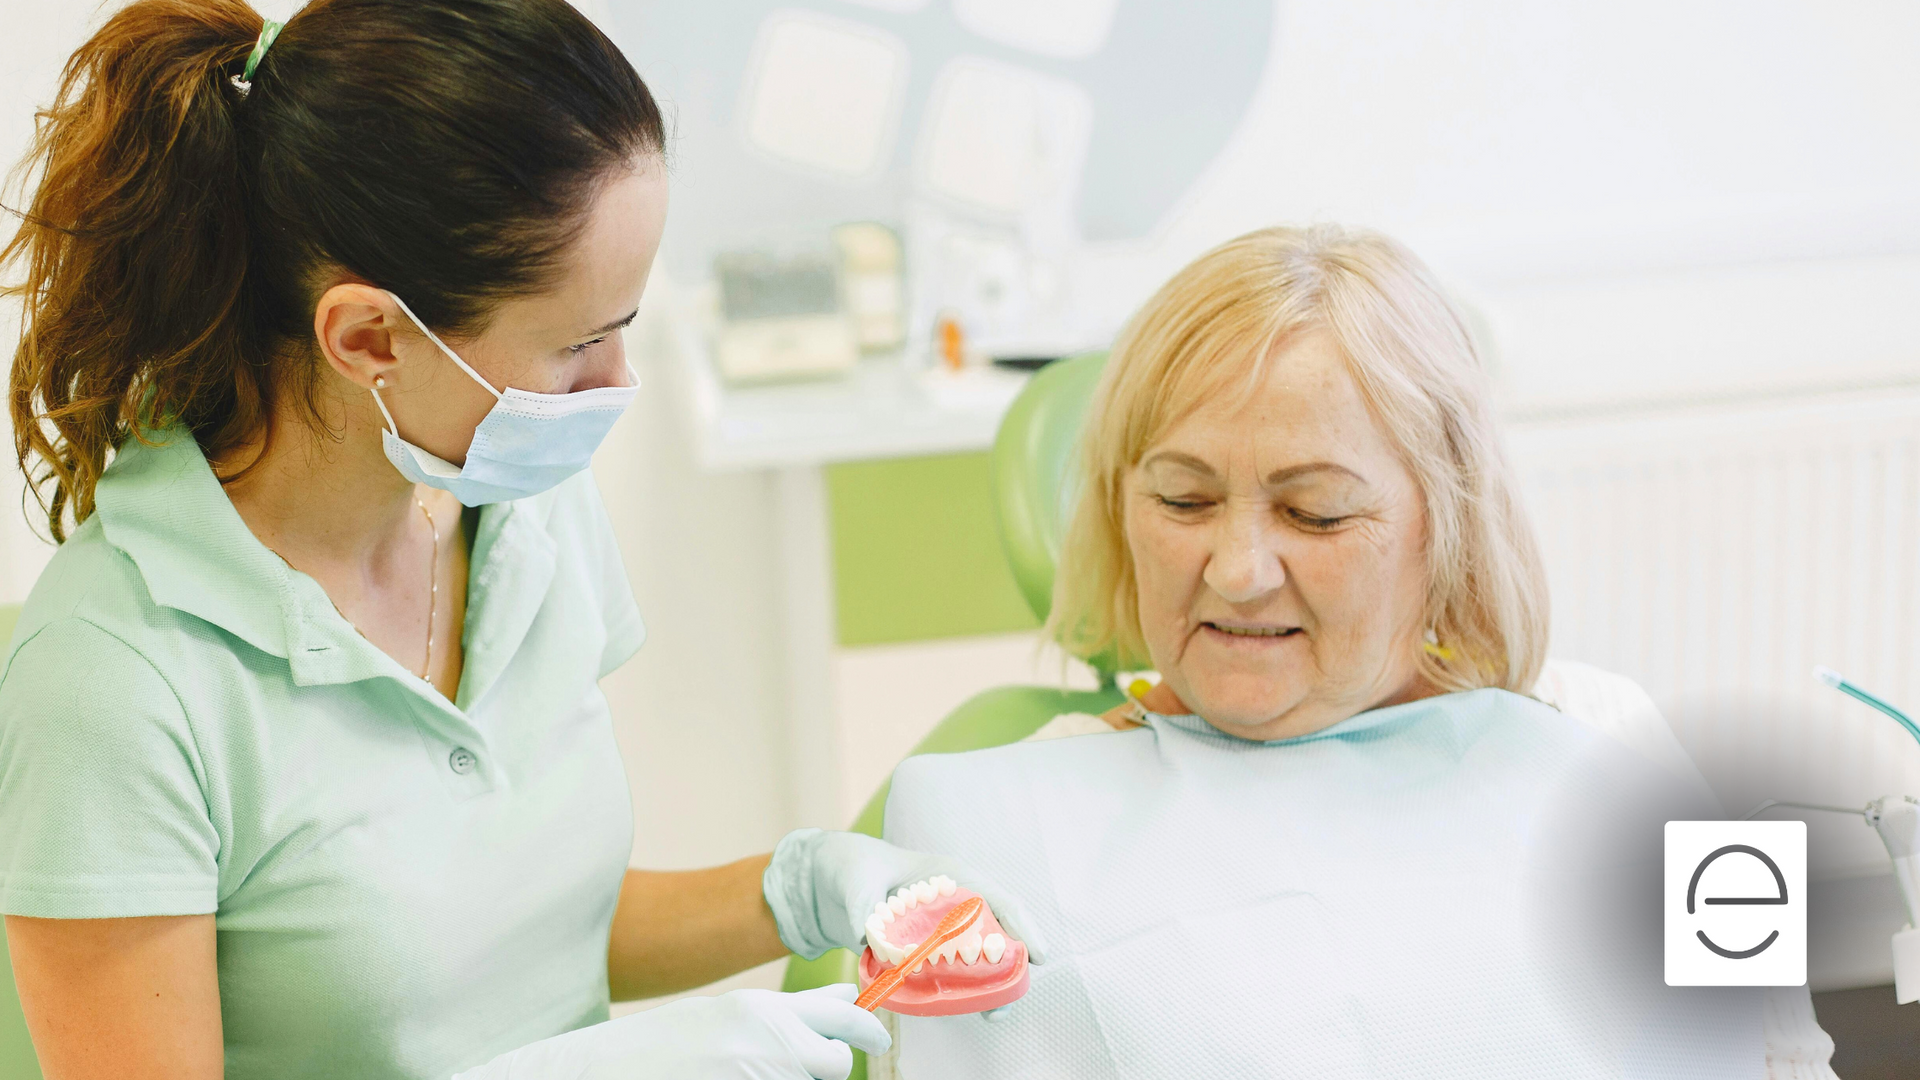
x=614, y=325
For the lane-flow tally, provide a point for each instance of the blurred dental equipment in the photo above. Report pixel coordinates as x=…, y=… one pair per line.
x=950, y=339
x=781, y=318
x=1009, y=297
x=1834, y=679
x=871, y=286
x=1897, y=819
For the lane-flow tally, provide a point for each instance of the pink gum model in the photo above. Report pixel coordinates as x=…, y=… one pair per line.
x=946, y=984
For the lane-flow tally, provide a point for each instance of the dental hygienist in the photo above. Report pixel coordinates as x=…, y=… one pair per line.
x=304, y=766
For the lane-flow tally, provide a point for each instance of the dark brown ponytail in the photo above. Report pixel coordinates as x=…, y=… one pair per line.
x=180, y=232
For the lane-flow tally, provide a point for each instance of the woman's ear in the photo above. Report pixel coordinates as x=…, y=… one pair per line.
x=354, y=325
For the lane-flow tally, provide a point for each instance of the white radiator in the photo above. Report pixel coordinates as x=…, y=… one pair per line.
x=1716, y=555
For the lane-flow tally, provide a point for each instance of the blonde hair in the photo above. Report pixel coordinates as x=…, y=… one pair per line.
x=1213, y=329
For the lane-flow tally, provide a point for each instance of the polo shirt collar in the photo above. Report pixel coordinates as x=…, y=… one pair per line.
x=511, y=569
x=160, y=503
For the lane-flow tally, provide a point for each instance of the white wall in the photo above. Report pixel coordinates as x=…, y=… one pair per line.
x=699, y=708
x=1663, y=173
x=38, y=39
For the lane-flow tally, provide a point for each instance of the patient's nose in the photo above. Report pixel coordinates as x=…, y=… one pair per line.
x=1245, y=564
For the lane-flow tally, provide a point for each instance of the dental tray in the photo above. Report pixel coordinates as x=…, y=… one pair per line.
x=983, y=969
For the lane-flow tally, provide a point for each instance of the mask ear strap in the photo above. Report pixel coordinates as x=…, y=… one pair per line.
x=391, y=426
x=435, y=338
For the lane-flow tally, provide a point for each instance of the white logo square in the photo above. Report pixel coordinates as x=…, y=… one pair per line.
x=1736, y=903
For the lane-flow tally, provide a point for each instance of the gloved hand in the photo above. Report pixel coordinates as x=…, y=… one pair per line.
x=744, y=1035
x=822, y=885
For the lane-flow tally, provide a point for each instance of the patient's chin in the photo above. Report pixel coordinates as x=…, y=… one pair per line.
x=1250, y=707
x=1264, y=729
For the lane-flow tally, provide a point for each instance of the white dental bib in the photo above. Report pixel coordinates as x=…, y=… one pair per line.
x=1466, y=886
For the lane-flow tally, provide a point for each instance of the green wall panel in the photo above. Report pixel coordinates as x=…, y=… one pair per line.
x=916, y=552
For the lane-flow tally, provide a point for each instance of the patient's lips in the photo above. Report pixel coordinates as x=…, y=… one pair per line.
x=1239, y=634
x=979, y=970
x=1247, y=628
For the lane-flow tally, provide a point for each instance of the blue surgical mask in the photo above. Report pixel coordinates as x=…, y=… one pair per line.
x=525, y=444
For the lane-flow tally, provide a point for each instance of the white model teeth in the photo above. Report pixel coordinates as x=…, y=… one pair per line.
x=886, y=950
x=966, y=949
x=1250, y=631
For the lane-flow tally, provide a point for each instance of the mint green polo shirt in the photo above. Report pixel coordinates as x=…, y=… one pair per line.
x=402, y=886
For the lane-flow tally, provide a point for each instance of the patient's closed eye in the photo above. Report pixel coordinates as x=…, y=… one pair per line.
x=1315, y=522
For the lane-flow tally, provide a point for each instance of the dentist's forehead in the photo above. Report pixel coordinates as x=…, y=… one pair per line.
x=603, y=271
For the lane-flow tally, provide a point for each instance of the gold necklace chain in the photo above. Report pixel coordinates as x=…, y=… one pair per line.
x=433, y=590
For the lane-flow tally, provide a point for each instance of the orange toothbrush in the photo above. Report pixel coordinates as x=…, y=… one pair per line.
x=963, y=915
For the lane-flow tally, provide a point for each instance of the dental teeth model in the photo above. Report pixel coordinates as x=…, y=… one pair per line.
x=979, y=970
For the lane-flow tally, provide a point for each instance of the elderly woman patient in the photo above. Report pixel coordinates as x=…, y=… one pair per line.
x=1344, y=836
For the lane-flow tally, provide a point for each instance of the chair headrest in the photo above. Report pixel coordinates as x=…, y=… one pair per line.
x=1032, y=475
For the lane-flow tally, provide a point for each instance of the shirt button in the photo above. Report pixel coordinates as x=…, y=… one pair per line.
x=462, y=760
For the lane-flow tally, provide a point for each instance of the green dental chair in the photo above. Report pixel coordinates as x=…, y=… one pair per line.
x=1029, y=468
x=17, y=1061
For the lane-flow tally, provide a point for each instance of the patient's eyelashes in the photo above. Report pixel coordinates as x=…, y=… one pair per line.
x=1190, y=504
x=1315, y=520
x=1315, y=523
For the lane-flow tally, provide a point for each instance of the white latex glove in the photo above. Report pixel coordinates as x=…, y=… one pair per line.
x=822, y=885
x=744, y=1035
